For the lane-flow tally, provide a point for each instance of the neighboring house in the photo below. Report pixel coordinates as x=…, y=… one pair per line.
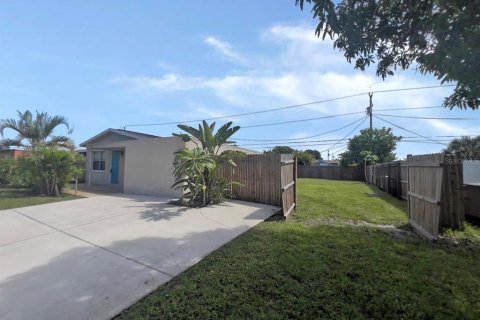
x=12, y=153
x=326, y=163
x=134, y=162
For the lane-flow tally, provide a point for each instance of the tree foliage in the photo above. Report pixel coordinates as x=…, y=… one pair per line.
x=438, y=36
x=304, y=158
x=378, y=142
x=195, y=170
x=46, y=171
x=35, y=132
x=283, y=150
x=465, y=147
x=205, y=137
x=315, y=153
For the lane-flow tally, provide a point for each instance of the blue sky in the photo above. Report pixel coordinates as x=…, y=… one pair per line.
x=112, y=63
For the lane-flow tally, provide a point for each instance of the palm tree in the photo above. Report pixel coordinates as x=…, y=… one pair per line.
x=36, y=132
x=465, y=147
x=209, y=145
x=209, y=141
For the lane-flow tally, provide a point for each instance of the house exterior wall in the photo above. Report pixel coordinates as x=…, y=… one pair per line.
x=149, y=166
x=97, y=177
x=146, y=166
x=12, y=153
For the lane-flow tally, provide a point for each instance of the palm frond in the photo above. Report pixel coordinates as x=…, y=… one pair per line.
x=61, y=141
x=6, y=143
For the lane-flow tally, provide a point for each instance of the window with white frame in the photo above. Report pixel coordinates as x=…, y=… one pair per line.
x=98, y=161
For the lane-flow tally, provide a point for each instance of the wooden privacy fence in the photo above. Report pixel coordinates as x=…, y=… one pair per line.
x=332, y=173
x=264, y=178
x=390, y=177
x=432, y=185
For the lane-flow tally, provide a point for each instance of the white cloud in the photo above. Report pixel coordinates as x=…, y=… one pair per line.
x=453, y=129
x=223, y=48
x=297, y=67
x=167, y=82
x=304, y=69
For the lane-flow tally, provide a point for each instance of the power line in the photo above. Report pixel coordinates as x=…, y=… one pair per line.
x=419, y=117
x=402, y=128
x=336, y=149
x=288, y=107
x=413, y=108
x=356, y=127
x=309, y=137
x=300, y=120
x=394, y=109
x=322, y=142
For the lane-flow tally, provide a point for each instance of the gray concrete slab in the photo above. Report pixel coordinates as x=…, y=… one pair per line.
x=91, y=258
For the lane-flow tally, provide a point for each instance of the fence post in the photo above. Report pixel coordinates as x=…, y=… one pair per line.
x=295, y=168
x=399, y=180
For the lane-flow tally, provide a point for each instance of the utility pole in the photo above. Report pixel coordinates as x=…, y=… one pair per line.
x=328, y=154
x=370, y=110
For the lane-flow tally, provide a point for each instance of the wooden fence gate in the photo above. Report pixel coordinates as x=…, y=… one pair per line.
x=435, y=197
x=432, y=185
x=264, y=178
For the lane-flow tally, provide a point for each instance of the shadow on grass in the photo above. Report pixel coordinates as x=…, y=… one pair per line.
x=385, y=196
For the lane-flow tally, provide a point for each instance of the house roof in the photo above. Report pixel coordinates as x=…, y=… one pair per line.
x=126, y=133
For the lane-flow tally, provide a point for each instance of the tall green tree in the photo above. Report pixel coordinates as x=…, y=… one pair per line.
x=283, y=150
x=379, y=142
x=437, y=36
x=315, y=153
x=35, y=132
x=304, y=158
x=465, y=147
x=196, y=170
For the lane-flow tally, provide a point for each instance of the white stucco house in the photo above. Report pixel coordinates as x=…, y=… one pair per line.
x=134, y=162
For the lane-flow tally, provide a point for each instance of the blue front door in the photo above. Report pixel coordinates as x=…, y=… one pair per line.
x=115, y=167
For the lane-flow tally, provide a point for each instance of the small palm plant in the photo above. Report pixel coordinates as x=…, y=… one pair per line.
x=189, y=168
x=196, y=170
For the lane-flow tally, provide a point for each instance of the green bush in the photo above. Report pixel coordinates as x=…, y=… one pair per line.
x=6, y=171
x=53, y=168
x=46, y=171
x=22, y=174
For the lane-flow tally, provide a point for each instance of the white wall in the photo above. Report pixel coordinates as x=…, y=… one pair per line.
x=149, y=166
x=471, y=172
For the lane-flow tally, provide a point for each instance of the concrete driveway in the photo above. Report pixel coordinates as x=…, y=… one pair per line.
x=91, y=258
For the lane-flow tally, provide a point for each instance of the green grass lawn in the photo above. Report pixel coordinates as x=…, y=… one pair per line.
x=305, y=269
x=16, y=198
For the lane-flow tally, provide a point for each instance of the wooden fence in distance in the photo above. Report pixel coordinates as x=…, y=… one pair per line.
x=332, y=173
x=264, y=178
x=389, y=177
x=432, y=185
